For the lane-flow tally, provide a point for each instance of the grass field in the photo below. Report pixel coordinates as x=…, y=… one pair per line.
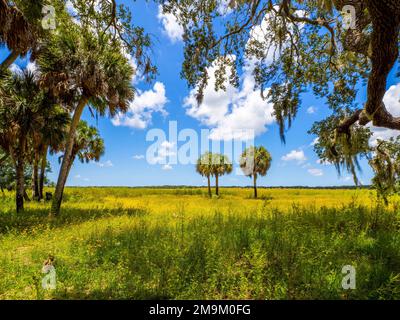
x=122, y=243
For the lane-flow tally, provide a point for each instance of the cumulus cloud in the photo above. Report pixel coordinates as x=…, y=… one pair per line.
x=107, y=164
x=232, y=113
x=316, y=172
x=141, y=109
x=392, y=103
x=295, y=155
x=237, y=113
x=171, y=26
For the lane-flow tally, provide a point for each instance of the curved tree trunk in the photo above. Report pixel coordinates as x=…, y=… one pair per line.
x=209, y=186
x=255, y=185
x=62, y=177
x=9, y=60
x=216, y=185
x=42, y=173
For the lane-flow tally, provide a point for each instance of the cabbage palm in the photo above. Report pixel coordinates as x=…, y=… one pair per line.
x=204, y=167
x=88, y=145
x=255, y=161
x=22, y=107
x=49, y=137
x=20, y=27
x=220, y=166
x=79, y=69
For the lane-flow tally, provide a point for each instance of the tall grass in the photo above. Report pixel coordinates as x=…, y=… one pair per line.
x=169, y=244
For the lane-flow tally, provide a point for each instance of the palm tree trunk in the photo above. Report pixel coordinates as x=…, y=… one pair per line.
x=26, y=197
x=9, y=60
x=19, y=171
x=209, y=186
x=35, y=177
x=216, y=185
x=62, y=177
x=255, y=185
x=42, y=172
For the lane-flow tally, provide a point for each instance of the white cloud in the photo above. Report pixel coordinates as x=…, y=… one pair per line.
x=167, y=167
x=141, y=109
x=295, y=155
x=107, y=164
x=233, y=113
x=78, y=176
x=311, y=110
x=315, y=141
x=316, y=172
x=392, y=103
x=138, y=157
x=171, y=26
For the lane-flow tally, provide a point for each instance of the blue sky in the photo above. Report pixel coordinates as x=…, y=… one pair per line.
x=158, y=103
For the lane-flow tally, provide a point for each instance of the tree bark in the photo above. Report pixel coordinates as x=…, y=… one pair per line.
x=20, y=178
x=62, y=178
x=26, y=197
x=42, y=173
x=255, y=185
x=209, y=186
x=9, y=60
x=35, y=177
x=216, y=185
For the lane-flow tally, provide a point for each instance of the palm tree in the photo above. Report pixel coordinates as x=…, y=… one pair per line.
x=49, y=137
x=21, y=109
x=220, y=166
x=203, y=167
x=81, y=68
x=88, y=145
x=255, y=161
x=19, y=27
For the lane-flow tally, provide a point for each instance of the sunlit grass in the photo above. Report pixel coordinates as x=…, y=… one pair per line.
x=112, y=243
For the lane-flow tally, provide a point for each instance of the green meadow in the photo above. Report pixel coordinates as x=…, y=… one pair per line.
x=137, y=243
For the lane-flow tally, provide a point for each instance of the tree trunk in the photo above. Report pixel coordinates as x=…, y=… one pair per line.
x=255, y=185
x=26, y=197
x=216, y=185
x=19, y=170
x=42, y=173
x=62, y=178
x=35, y=177
x=209, y=186
x=9, y=60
